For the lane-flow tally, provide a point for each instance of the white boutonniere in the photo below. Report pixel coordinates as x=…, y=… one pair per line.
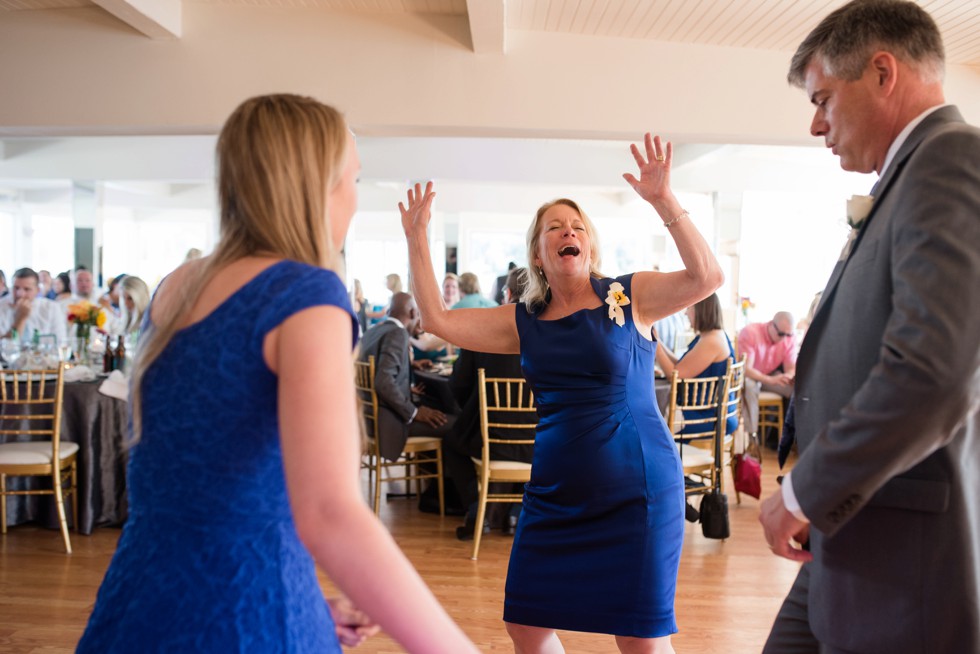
x=858, y=208
x=616, y=299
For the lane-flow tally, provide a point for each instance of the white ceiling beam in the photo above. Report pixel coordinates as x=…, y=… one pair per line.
x=487, y=25
x=157, y=19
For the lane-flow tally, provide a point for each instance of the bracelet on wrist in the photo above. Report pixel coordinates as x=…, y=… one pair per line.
x=679, y=216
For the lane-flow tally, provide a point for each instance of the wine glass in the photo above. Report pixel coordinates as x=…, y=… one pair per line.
x=65, y=350
x=10, y=351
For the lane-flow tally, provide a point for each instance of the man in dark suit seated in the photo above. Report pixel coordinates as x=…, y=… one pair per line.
x=464, y=440
x=398, y=416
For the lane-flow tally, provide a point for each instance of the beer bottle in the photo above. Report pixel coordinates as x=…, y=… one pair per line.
x=121, y=354
x=109, y=358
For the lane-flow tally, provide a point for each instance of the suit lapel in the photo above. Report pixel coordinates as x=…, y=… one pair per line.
x=878, y=191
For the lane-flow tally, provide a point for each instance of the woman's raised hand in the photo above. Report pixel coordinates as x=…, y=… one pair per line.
x=654, y=182
x=415, y=218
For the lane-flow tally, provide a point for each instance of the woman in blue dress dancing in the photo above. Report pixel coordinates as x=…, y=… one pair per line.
x=598, y=543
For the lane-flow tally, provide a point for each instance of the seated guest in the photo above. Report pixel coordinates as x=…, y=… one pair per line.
x=770, y=362
x=24, y=312
x=359, y=304
x=426, y=346
x=44, y=286
x=3, y=285
x=393, y=282
x=469, y=286
x=85, y=286
x=500, y=284
x=110, y=299
x=450, y=289
x=61, y=287
x=464, y=440
x=399, y=417
x=706, y=356
x=135, y=297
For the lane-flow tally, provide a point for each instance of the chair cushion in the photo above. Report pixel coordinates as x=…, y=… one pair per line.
x=695, y=456
x=33, y=453
x=508, y=465
x=422, y=444
x=500, y=464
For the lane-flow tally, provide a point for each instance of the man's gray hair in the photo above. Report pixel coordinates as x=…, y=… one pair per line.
x=846, y=39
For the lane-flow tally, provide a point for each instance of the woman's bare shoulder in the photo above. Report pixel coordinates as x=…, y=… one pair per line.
x=714, y=339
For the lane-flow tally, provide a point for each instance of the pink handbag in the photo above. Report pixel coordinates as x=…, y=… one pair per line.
x=748, y=475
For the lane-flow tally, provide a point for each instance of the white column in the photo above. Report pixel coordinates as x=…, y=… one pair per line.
x=728, y=232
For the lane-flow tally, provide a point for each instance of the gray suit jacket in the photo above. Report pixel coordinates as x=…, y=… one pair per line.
x=887, y=395
x=389, y=344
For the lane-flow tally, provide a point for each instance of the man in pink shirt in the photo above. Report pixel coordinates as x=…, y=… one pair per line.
x=770, y=362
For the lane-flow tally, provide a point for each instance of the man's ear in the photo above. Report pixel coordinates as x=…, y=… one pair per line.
x=885, y=67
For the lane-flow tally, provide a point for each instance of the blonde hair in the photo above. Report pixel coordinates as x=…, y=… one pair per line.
x=535, y=293
x=469, y=283
x=278, y=156
x=394, y=281
x=139, y=293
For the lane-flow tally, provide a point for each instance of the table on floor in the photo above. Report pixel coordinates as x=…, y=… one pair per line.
x=97, y=423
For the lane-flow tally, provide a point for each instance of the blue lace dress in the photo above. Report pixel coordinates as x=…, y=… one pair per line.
x=598, y=543
x=209, y=560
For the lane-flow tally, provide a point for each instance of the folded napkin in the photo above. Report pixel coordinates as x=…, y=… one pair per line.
x=79, y=373
x=115, y=385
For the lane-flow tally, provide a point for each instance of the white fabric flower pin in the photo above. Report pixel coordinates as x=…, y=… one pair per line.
x=858, y=208
x=616, y=299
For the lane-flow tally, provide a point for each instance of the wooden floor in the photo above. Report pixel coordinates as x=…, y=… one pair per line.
x=728, y=592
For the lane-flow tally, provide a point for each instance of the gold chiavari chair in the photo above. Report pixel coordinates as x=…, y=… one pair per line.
x=505, y=403
x=732, y=407
x=30, y=422
x=418, y=450
x=698, y=402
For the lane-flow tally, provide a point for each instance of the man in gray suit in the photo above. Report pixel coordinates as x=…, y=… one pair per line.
x=388, y=343
x=886, y=491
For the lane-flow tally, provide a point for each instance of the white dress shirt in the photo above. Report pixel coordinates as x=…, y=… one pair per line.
x=46, y=317
x=789, y=496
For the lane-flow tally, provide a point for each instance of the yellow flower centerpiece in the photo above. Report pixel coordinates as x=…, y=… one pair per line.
x=85, y=315
x=746, y=303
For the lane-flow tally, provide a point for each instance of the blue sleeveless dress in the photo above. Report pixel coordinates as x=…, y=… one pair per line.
x=599, y=540
x=716, y=369
x=209, y=560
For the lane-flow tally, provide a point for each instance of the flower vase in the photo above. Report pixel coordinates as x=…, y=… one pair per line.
x=83, y=355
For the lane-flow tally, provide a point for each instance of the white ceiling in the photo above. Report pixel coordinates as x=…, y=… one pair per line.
x=762, y=24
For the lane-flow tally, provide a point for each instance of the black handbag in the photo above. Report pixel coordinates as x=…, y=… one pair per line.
x=714, y=515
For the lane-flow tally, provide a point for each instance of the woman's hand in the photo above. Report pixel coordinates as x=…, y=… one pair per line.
x=415, y=219
x=352, y=624
x=654, y=182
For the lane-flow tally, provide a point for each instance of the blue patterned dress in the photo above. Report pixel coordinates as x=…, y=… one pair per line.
x=599, y=540
x=209, y=560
